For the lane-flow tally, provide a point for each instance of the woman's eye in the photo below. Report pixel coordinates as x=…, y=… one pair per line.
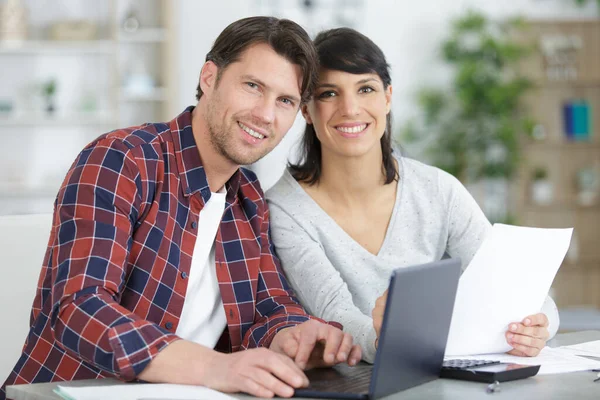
x=252, y=85
x=326, y=94
x=366, y=89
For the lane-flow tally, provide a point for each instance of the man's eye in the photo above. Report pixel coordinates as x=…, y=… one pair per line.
x=252, y=85
x=287, y=101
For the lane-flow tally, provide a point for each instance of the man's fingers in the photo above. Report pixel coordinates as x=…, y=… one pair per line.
x=284, y=368
x=333, y=341
x=355, y=355
x=253, y=388
x=345, y=347
x=271, y=383
x=306, y=344
x=290, y=348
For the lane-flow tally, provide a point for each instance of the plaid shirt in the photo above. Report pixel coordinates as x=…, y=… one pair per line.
x=115, y=273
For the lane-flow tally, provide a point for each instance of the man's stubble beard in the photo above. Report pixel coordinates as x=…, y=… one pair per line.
x=221, y=138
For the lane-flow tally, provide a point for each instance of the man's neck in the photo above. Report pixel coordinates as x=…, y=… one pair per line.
x=350, y=180
x=218, y=168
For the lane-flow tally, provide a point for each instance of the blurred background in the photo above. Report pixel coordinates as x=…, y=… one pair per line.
x=505, y=95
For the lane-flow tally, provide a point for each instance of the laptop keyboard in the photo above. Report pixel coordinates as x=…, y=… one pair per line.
x=341, y=379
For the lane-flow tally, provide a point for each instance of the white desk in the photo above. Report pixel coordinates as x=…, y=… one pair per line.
x=577, y=385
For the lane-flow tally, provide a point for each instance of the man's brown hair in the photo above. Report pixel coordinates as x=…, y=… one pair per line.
x=286, y=38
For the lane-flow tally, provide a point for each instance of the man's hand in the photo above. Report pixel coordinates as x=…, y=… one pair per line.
x=529, y=336
x=314, y=344
x=259, y=372
x=377, y=314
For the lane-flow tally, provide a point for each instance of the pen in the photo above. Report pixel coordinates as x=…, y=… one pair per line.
x=493, y=387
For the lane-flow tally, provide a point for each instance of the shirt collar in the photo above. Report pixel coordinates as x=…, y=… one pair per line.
x=189, y=163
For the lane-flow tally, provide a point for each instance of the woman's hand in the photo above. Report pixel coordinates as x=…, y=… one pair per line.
x=529, y=336
x=377, y=314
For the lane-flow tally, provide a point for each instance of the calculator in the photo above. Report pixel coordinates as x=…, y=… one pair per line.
x=486, y=370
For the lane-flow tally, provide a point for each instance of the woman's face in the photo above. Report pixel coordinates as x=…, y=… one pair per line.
x=348, y=112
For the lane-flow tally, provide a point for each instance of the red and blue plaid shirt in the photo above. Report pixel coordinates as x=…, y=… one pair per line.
x=116, y=269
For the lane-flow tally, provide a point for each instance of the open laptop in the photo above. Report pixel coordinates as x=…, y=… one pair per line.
x=412, y=340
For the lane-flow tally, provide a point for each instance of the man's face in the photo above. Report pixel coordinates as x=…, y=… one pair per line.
x=253, y=105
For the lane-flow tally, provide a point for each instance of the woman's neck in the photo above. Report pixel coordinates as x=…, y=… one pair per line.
x=348, y=180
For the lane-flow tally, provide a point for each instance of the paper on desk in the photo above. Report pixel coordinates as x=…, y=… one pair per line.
x=591, y=349
x=551, y=360
x=507, y=280
x=134, y=391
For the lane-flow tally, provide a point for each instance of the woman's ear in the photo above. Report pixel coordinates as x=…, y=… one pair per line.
x=388, y=99
x=208, y=77
x=305, y=114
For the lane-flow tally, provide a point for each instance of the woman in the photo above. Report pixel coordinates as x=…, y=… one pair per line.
x=353, y=210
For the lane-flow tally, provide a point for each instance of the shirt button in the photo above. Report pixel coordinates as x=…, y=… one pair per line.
x=169, y=325
x=184, y=275
x=194, y=224
x=205, y=192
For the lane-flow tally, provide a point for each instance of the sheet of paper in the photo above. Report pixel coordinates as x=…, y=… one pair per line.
x=134, y=391
x=507, y=280
x=552, y=361
x=591, y=349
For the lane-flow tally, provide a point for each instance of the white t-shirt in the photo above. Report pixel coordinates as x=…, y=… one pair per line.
x=203, y=317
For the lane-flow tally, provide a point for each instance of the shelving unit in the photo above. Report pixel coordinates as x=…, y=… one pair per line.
x=39, y=47
x=577, y=284
x=39, y=147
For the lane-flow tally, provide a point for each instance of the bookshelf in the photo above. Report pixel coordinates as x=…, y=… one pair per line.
x=95, y=90
x=565, y=68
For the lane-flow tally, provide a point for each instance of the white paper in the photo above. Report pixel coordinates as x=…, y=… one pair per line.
x=551, y=361
x=134, y=391
x=590, y=349
x=507, y=280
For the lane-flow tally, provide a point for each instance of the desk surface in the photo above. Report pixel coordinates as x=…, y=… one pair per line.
x=577, y=385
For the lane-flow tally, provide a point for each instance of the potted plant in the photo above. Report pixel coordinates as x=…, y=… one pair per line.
x=48, y=93
x=472, y=129
x=542, y=190
x=588, y=185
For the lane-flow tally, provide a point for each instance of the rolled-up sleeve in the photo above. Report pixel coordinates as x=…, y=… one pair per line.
x=96, y=211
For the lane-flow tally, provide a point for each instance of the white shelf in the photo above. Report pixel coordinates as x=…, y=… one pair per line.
x=58, y=47
x=144, y=35
x=157, y=94
x=27, y=120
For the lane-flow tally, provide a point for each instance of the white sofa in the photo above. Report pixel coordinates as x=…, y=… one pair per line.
x=23, y=240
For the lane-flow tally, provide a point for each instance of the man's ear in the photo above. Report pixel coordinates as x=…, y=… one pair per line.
x=305, y=114
x=388, y=99
x=208, y=77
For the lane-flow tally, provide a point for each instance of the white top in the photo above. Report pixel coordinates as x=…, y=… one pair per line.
x=203, y=317
x=337, y=279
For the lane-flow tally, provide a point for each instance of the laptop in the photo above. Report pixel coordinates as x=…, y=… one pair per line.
x=412, y=342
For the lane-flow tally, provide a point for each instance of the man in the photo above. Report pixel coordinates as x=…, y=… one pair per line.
x=160, y=246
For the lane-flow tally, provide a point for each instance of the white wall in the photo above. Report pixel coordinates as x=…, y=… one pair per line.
x=409, y=33
x=23, y=241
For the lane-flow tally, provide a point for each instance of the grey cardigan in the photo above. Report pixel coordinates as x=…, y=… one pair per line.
x=337, y=279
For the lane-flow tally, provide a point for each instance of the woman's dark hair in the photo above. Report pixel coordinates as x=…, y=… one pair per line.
x=344, y=49
x=286, y=38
